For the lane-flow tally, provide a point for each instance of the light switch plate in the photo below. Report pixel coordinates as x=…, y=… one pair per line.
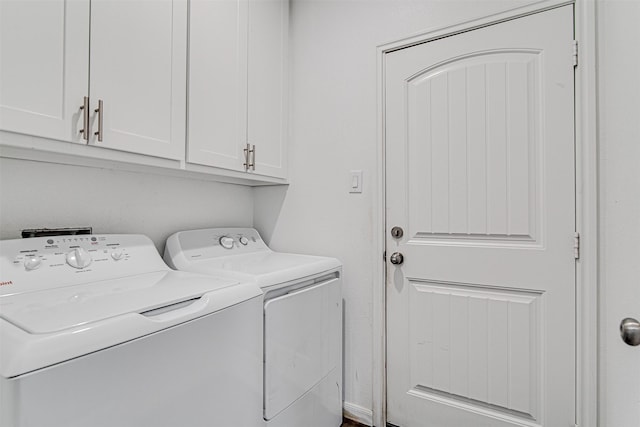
x=355, y=181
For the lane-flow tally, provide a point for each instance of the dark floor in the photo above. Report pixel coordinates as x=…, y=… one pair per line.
x=349, y=423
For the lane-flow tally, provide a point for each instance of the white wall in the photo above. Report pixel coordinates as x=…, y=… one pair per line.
x=619, y=163
x=333, y=130
x=38, y=195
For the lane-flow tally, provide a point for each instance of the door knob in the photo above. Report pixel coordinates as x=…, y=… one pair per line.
x=629, y=331
x=396, y=258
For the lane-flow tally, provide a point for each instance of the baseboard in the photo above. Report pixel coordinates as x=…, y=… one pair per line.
x=358, y=414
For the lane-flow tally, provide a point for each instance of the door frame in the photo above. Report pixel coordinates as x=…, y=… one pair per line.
x=586, y=204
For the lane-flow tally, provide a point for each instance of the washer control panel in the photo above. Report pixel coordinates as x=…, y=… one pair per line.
x=42, y=262
x=68, y=251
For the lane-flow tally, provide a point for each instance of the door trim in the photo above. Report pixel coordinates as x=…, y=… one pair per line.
x=586, y=203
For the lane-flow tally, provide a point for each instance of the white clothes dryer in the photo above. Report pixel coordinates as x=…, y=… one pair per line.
x=302, y=378
x=97, y=331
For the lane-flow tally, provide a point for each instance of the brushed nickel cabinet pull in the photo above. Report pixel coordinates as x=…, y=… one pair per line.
x=99, y=110
x=246, y=158
x=85, y=119
x=249, y=157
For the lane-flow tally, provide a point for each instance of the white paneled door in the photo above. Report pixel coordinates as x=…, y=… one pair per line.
x=619, y=225
x=480, y=176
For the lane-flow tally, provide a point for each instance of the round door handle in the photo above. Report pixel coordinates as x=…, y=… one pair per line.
x=630, y=331
x=396, y=258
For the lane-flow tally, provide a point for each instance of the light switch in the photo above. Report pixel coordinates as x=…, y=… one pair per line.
x=356, y=182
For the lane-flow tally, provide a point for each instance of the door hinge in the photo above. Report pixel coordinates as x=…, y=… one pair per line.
x=576, y=245
x=575, y=53
x=384, y=256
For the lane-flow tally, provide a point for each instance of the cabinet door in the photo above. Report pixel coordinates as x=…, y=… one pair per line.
x=217, y=83
x=268, y=27
x=44, y=60
x=138, y=70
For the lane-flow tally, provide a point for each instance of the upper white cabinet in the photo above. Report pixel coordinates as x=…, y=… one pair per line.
x=138, y=71
x=267, y=93
x=217, y=83
x=116, y=74
x=127, y=56
x=237, y=95
x=44, y=67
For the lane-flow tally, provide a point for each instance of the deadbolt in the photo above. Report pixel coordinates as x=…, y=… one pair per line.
x=629, y=331
x=396, y=258
x=397, y=232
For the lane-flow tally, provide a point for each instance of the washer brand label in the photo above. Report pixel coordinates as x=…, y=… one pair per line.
x=5, y=283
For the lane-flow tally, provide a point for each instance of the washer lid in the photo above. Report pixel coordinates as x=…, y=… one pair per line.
x=39, y=329
x=63, y=308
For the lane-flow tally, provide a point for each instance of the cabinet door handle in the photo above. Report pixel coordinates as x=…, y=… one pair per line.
x=246, y=158
x=99, y=110
x=249, y=157
x=85, y=119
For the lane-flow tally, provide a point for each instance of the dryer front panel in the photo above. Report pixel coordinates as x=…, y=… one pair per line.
x=302, y=342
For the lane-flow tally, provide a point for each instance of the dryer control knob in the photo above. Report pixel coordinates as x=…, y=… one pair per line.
x=117, y=254
x=79, y=258
x=244, y=240
x=226, y=242
x=32, y=262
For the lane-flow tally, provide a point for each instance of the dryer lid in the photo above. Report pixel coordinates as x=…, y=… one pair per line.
x=266, y=268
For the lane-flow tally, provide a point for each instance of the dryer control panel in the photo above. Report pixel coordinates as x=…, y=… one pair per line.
x=214, y=243
x=44, y=262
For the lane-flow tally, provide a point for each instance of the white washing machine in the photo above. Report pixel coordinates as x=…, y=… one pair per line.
x=97, y=331
x=302, y=319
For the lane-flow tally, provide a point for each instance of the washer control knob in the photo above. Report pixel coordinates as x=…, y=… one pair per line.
x=79, y=258
x=32, y=262
x=244, y=240
x=226, y=242
x=117, y=254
